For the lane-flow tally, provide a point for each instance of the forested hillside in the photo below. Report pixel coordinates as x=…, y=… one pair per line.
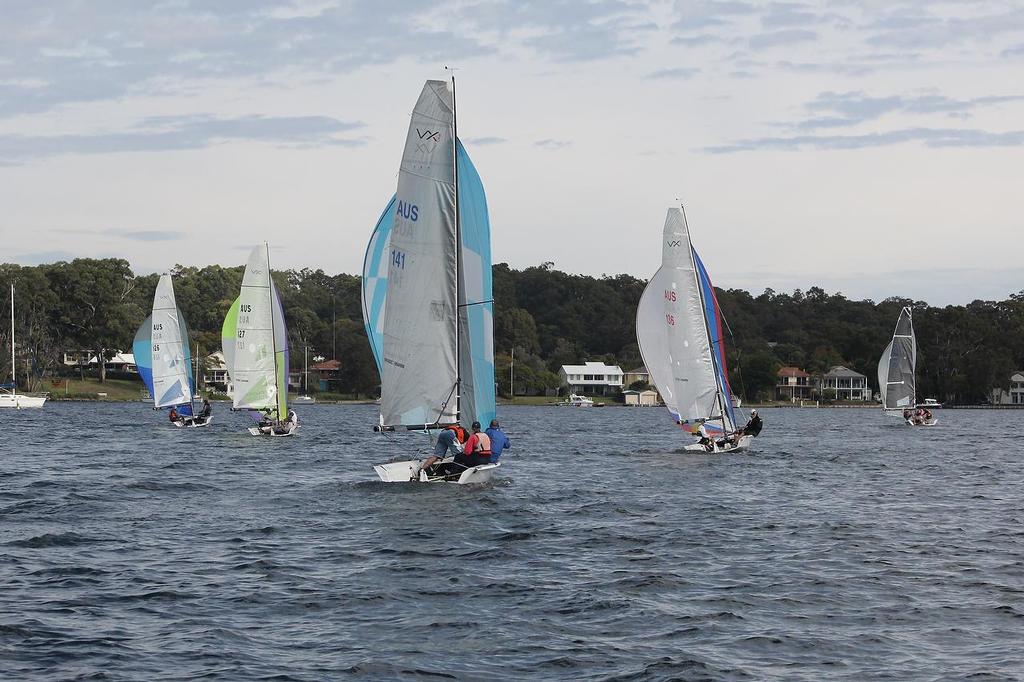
x=550, y=317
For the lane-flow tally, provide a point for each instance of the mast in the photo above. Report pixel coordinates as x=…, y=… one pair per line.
x=273, y=333
x=14, y=374
x=704, y=314
x=458, y=257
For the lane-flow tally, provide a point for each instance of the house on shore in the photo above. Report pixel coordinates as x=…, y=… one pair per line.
x=634, y=375
x=1012, y=396
x=793, y=384
x=591, y=378
x=842, y=383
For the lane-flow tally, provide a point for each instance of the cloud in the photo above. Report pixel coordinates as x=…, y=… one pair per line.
x=181, y=133
x=905, y=26
x=852, y=108
x=482, y=141
x=680, y=73
x=148, y=235
x=931, y=137
x=1015, y=51
x=552, y=145
x=785, y=37
x=40, y=257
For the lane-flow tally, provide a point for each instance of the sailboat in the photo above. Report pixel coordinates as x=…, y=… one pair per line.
x=305, y=397
x=426, y=289
x=254, y=340
x=896, y=374
x=10, y=396
x=679, y=330
x=162, y=357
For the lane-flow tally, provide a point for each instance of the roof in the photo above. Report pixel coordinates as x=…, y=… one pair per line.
x=326, y=366
x=118, y=359
x=591, y=367
x=840, y=371
x=791, y=372
x=646, y=391
x=642, y=369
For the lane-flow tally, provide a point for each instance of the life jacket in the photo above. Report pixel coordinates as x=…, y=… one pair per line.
x=460, y=433
x=483, y=444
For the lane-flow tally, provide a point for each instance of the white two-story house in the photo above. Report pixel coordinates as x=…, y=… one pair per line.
x=591, y=378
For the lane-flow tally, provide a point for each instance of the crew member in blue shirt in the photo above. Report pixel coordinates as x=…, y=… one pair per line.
x=499, y=441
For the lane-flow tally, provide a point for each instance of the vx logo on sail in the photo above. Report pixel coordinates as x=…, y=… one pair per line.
x=429, y=139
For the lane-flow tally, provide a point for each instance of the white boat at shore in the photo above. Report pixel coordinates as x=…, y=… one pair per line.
x=577, y=401
x=10, y=396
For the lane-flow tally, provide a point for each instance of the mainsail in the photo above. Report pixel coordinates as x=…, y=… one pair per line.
x=162, y=353
x=679, y=332
x=896, y=367
x=257, y=351
x=422, y=263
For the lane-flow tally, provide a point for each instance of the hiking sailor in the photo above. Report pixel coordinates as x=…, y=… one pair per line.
x=753, y=427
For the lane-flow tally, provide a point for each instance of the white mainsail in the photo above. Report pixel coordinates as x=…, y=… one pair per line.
x=419, y=379
x=674, y=338
x=259, y=362
x=897, y=365
x=171, y=383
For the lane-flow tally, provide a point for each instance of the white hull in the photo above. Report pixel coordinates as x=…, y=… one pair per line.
x=745, y=442
x=930, y=422
x=19, y=401
x=304, y=399
x=412, y=470
x=269, y=430
x=193, y=423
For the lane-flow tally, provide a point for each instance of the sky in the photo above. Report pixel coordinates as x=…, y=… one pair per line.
x=872, y=148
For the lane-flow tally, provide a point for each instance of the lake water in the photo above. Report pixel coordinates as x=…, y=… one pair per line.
x=845, y=546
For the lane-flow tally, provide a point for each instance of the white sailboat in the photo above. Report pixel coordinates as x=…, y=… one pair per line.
x=254, y=340
x=896, y=375
x=427, y=302
x=305, y=397
x=679, y=330
x=9, y=397
x=162, y=357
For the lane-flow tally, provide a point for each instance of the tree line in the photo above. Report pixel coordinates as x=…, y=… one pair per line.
x=549, y=317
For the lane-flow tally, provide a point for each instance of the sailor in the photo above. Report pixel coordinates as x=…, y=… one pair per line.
x=499, y=441
x=753, y=427
x=447, y=440
x=173, y=415
x=206, y=411
x=477, y=450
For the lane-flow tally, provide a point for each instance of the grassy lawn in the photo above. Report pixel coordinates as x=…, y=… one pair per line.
x=75, y=388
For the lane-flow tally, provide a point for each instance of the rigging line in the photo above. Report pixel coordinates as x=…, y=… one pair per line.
x=467, y=305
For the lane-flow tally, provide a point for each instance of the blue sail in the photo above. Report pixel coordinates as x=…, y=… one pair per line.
x=375, y=283
x=142, y=347
x=476, y=314
x=713, y=314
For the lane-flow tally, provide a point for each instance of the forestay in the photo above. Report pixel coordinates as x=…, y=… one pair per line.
x=418, y=382
x=675, y=339
x=258, y=361
x=896, y=367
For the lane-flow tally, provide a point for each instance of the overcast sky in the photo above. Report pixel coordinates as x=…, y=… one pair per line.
x=876, y=148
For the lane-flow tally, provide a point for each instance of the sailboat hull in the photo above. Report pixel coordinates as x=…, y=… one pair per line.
x=193, y=423
x=744, y=443
x=289, y=430
x=21, y=401
x=412, y=471
x=930, y=422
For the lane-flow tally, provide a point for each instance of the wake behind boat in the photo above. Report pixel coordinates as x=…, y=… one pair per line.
x=162, y=357
x=679, y=330
x=896, y=375
x=426, y=294
x=254, y=340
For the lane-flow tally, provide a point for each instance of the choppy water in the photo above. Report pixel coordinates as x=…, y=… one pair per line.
x=845, y=547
